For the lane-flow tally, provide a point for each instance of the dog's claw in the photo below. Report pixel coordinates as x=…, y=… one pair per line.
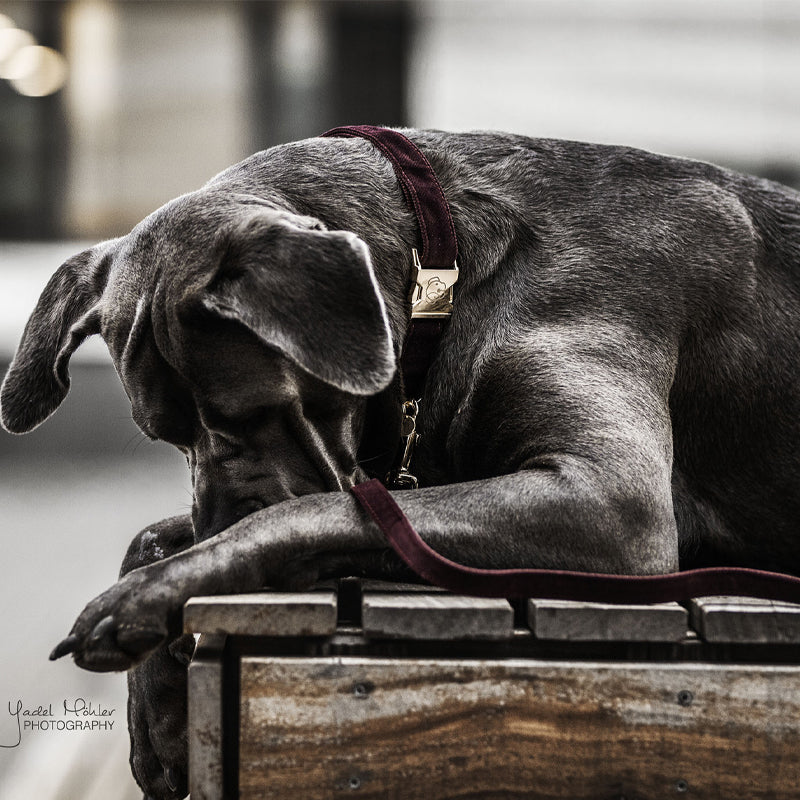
x=68, y=645
x=172, y=778
x=120, y=627
x=182, y=658
x=106, y=625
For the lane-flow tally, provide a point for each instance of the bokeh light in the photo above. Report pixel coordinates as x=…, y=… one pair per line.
x=33, y=70
x=12, y=40
x=36, y=71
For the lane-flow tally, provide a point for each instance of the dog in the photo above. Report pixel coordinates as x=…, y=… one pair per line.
x=617, y=390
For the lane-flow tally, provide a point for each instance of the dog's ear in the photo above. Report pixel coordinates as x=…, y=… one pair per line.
x=311, y=294
x=67, y=312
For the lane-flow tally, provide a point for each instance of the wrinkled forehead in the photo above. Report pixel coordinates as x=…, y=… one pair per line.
x=223, y=371
x=175, y=234
x=157, y=338
x=177, y=244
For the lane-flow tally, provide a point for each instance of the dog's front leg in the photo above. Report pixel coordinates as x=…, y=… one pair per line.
x=571, y=515
x=274, y=546
x=157, y=688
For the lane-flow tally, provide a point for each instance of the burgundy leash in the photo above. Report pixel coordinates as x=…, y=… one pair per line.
x=427, y=201
x=563, y=584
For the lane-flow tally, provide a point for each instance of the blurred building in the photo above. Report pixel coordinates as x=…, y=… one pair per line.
x=161, y=95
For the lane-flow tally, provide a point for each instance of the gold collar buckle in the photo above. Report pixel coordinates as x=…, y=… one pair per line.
x=432, y=290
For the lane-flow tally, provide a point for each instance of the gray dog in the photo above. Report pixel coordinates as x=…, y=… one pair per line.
x=617, y=390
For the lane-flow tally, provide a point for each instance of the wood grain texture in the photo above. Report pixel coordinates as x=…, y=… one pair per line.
x=372, y=585
x=205, y=719
x=420, y=616
x=565, y=620
x=263, y=614
x=441, y=730
x=747, y=620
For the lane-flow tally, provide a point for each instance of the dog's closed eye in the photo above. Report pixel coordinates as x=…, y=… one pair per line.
x=241, y=424
x=179, y=433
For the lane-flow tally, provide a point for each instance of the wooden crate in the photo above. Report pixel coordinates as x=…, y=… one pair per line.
x=386, y=691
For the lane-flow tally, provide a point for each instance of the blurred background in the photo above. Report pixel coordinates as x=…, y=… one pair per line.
x=109, y=108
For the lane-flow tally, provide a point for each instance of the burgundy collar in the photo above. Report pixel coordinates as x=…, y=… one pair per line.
x=422, y=190
x=434, y=268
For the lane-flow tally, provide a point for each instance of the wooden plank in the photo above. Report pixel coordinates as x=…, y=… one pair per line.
x=205, y=719
x=747, y=620
x=421, y=616
x=435, y=730
x=263, y=614
x=371, y=585
x=565, y=620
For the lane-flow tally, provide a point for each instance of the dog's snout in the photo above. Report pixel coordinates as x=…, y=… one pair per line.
x=211, y=518
x=212, y=512
x=247, y=507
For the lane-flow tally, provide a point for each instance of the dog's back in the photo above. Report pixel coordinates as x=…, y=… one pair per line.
x=675, y=250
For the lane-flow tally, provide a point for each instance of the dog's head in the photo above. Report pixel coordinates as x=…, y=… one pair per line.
x=247, y=336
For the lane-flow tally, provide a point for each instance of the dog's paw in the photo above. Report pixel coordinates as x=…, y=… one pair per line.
x=157, y=721
x=123, y=625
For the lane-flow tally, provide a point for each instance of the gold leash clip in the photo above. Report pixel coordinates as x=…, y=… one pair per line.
x=401, y=477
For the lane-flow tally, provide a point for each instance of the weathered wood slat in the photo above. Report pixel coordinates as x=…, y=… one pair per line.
x=205, y=720
x=565, y=620
x=434, y=730
x=421, y=616
x=746, y=620
x=371, y=585
x=263, y=614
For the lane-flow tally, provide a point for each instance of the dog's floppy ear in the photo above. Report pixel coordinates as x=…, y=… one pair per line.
x=67, y=312
x=312, y=295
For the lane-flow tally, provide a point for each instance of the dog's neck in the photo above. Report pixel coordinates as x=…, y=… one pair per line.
x=357, y=191
x=434, y=272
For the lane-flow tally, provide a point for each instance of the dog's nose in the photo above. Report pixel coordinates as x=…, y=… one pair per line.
x=211, y=518
x=203, y=522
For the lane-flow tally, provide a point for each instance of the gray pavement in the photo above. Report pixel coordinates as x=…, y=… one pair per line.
x=72, y=495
